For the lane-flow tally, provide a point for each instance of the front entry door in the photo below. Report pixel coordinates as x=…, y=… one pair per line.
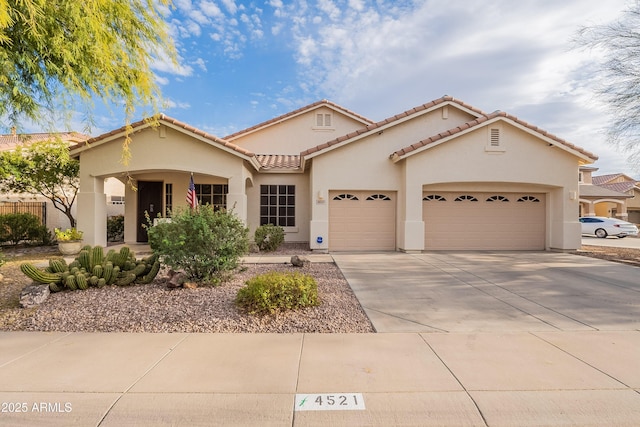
x=150, y=201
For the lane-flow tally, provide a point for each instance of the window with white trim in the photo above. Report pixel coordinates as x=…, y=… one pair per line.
x=323, y=121
x=278, y=205
x=212, y=194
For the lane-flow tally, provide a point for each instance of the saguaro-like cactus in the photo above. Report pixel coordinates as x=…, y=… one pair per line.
x=92, y=268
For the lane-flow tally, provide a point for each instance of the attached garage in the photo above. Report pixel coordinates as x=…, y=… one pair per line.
x=362, y=221
x=484, y=221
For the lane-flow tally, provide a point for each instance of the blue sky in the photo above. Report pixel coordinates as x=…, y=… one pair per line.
x=244, y=62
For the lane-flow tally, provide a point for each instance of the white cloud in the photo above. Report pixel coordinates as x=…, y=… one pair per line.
x=164, y=65
x=230, y=5
x=201, y=64
x=171, y=104
x=211, y=9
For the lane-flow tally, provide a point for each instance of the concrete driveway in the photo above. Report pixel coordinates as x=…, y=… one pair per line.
x=493, y=291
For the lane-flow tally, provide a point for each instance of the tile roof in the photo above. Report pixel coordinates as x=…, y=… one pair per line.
x=621, y=187
x=589, y=190
x=390, y=120
x=477, y=123
x=11, y=141
x=278, y=161
x=177, y=123
x=293, y=113
x=603, y=179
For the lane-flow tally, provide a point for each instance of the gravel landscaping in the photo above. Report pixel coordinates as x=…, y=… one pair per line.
x=155, y=308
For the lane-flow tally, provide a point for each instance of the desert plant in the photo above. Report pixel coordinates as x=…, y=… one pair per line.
x=93, y=268
x=275, y=291
x=269, y=237
x=17, y=227
x=202, y=242
x=115, y=228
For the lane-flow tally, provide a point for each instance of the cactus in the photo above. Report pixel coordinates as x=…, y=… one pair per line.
x=37, y=275
x=84, y=259
x=70, y=282
x=81, y=282
x=93, y=268
x=126, y=279
x=148, y=278
x=57, y=265
x=96, y=256
x=98, y=270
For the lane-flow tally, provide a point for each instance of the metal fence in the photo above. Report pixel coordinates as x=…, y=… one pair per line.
x=38, y=209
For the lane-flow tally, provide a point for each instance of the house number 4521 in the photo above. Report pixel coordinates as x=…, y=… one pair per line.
x=330, y=402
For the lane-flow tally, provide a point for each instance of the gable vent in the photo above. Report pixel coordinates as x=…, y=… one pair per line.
x=494, y=138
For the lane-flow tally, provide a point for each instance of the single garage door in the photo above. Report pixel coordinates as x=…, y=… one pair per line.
x=362, y=220
x=484, y=221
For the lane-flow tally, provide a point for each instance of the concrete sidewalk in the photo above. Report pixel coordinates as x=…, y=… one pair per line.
x=486, y=364
x=517, y=379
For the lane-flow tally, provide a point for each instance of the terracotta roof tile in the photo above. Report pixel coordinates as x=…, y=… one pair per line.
x=621, y=187
x=479, y=121
x=295, y=113
x=175, y=122
x=11, y=141
x=589, y=190
x=279, y=161
x=395, y=118
x=603, y=179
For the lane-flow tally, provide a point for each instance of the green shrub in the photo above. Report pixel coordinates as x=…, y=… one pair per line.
x=115, y=228
x=17, y=227
x=274, y=291
x=202, y=242
x=268, y=237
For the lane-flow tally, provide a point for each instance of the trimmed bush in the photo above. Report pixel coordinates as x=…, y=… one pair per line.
x=204, y=243
x=269, y=237
x=115, y=228
x=18, y=227
x=275, y=291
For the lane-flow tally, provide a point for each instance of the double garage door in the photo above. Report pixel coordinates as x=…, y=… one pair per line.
x=484, y=221
x=366, y=221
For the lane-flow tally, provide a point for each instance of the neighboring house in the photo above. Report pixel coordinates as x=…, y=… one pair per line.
x=53, y=217
x=443, y=175
x=629, y=210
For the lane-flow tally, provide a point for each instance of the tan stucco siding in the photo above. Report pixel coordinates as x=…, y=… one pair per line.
x=298, y=133
x=149, y=152
x=526, y=164
x=299, y=233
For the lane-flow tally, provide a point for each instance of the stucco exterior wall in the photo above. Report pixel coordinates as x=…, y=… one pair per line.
x=299, y=233
x=298, y=133
x=157, y=155
x=526, y=164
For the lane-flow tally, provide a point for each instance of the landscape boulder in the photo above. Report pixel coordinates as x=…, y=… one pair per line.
x=298, y=261
x=33, y=295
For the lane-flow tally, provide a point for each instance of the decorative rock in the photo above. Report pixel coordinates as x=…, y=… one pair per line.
x=298, y=261
x=33, y=295
x=253, y=248
x=176, y=278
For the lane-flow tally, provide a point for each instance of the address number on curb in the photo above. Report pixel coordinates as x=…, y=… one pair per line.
x=330, y=402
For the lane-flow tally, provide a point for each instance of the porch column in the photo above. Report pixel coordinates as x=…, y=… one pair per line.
x=622, y=213
x=237, y=197
x=92, y=210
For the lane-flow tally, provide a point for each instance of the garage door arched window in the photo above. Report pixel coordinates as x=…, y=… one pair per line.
x=497, y=199
x=532, y=199
x=378, y=197
x=345, y=196
x=434, y=197
x=466, y=198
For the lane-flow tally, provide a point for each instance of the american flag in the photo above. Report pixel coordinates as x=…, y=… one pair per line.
x=192, y=200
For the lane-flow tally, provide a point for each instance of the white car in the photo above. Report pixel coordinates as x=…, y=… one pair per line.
x=602, y=227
